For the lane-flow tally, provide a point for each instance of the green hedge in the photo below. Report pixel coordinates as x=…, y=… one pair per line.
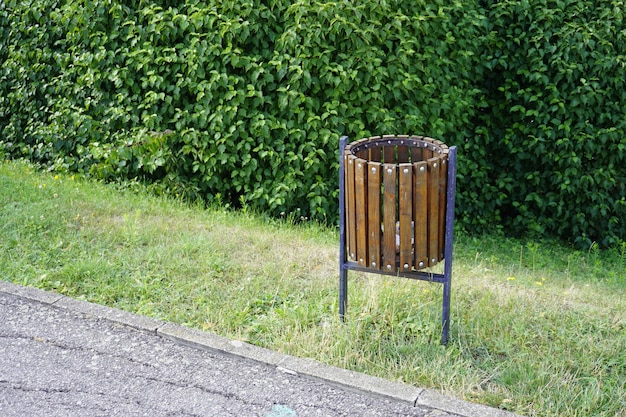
x=556, y=120
x=245, y=101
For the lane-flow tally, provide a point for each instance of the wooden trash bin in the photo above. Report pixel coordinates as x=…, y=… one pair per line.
x=397, y=210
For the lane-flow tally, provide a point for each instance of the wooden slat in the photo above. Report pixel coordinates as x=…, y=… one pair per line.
x=403, y=149
x=389, y=217
x=374, y=154
x=389, y=154
x=420, y=214
x=416, y=154
x=350, y=207
x=433, y=210
x=360, y=189
x=372, y=139
x=373, y=214
x=427, y=153
x=403, y=154
x=405, y=204
x=443, y=182
x=440, y=144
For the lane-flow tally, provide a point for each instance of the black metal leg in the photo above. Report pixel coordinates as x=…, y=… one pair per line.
x=445, y=312
x=343, y=292
x=447, y=284
x=343, y=272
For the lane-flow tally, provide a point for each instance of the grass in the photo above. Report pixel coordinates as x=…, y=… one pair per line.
x=537, y=328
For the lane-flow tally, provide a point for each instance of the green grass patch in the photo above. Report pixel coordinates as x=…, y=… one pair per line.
x=537, y=327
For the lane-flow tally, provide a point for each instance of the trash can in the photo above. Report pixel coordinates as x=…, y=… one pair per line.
x=397, y=209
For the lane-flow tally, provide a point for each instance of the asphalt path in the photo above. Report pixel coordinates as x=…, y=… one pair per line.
x=60, y=361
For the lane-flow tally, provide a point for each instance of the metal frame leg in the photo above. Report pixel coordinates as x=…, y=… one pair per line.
x=343, y=272
x=343, y=293
x=445, y=313
x=447, y=284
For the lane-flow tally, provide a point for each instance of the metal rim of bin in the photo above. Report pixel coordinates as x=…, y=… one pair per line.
x=404, y=154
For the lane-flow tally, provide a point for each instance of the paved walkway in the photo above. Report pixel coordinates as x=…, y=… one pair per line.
x=64, y=357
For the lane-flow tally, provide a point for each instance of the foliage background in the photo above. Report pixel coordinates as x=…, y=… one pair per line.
x=244, y=101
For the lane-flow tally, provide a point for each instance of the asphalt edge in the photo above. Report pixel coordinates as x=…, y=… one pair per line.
x=309, y=368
